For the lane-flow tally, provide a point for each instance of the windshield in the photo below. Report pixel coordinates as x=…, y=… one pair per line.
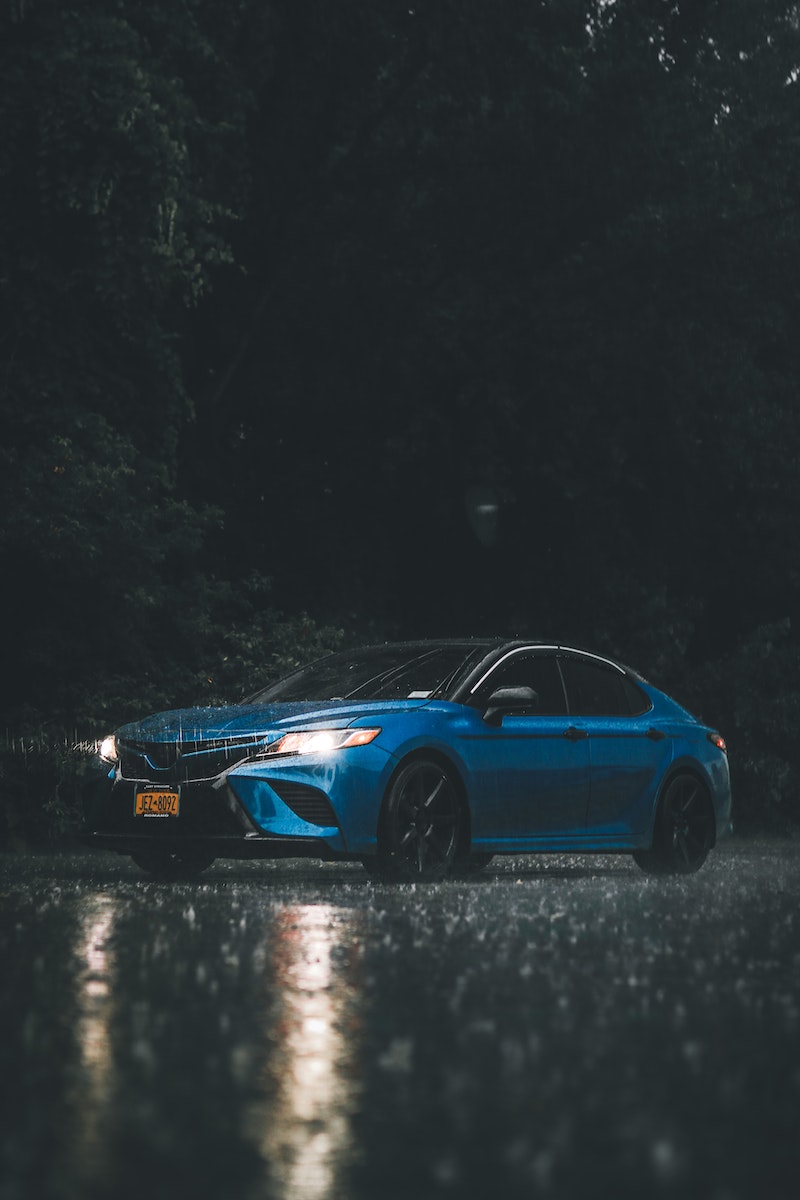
x=410, y=671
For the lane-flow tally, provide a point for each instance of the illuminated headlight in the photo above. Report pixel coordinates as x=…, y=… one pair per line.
x=107, y=749
x=319, y=741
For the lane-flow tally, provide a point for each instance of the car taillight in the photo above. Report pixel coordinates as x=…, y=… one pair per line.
x=717, y=740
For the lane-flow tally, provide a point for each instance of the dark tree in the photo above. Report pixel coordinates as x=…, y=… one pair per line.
x=287, y=286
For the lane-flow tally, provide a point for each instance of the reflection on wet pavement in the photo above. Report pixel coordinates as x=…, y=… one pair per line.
x=95, y=997
x=311, y=1076
x=558, y=1027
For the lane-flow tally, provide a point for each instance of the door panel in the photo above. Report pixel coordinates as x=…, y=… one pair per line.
x=626, y=764
x=541, y=781
x=538, y=760
x=626, y=769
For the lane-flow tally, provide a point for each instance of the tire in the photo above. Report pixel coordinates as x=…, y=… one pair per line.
x=684, y=829
x=172, y=864
x=422, y=823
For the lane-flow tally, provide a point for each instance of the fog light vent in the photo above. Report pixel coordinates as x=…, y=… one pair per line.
x=307, y=803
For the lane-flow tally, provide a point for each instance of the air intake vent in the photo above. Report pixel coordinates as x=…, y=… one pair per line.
x=307, y=803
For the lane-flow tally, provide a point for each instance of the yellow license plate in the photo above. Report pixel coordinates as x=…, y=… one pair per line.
x=157, y=802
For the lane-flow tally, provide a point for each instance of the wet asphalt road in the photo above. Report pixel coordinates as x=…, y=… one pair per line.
x=558, y=1026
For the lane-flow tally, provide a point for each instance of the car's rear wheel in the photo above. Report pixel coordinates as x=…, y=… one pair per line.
x=684, y=830
x=172, y=864
x=421, y=823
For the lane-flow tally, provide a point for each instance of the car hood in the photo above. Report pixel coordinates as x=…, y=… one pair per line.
x=249, y=720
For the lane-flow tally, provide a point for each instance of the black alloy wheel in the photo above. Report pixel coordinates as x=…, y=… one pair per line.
x=172, y=864
x=684, y=832
x=420, y=824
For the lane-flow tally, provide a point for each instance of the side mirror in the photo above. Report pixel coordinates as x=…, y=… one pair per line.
x=508, y=700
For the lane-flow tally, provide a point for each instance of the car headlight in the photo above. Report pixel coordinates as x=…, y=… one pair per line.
x=107, y=749
x=319, y=741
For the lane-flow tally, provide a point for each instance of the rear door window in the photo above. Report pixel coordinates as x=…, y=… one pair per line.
x=595, y=690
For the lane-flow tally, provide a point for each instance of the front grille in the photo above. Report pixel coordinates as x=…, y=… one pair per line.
x=181, y=762
x=307, y=803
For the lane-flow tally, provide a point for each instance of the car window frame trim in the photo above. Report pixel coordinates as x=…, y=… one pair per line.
x=539, y=647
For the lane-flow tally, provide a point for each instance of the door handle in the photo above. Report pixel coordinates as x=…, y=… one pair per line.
x=574, y=735
x=655, y=735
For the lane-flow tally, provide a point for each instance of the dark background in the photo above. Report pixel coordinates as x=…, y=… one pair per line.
x=291, y=290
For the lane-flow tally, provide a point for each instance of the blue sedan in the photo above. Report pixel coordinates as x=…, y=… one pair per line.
x=421, y=760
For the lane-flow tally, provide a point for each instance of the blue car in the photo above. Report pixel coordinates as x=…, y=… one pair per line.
x=421, y=760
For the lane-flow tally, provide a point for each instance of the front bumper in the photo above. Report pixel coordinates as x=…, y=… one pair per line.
x=214, y=818
x=320, y=805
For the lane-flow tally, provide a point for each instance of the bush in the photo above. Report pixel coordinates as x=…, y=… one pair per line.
x=753, y=695
x=41, y=777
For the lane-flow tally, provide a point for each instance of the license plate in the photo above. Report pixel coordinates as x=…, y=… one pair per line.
x=157, y=802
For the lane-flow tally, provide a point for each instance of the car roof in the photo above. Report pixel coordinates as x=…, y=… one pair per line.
x=495, y=648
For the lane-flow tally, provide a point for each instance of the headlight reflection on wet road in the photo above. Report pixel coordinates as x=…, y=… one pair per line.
x=95, y=1000
x=312, y=1072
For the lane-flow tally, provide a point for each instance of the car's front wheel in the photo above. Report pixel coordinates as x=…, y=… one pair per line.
x=684, y=830
x=172, y=864
x=421, y=823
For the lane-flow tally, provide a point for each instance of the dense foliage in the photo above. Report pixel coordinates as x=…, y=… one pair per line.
x=292, y=290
